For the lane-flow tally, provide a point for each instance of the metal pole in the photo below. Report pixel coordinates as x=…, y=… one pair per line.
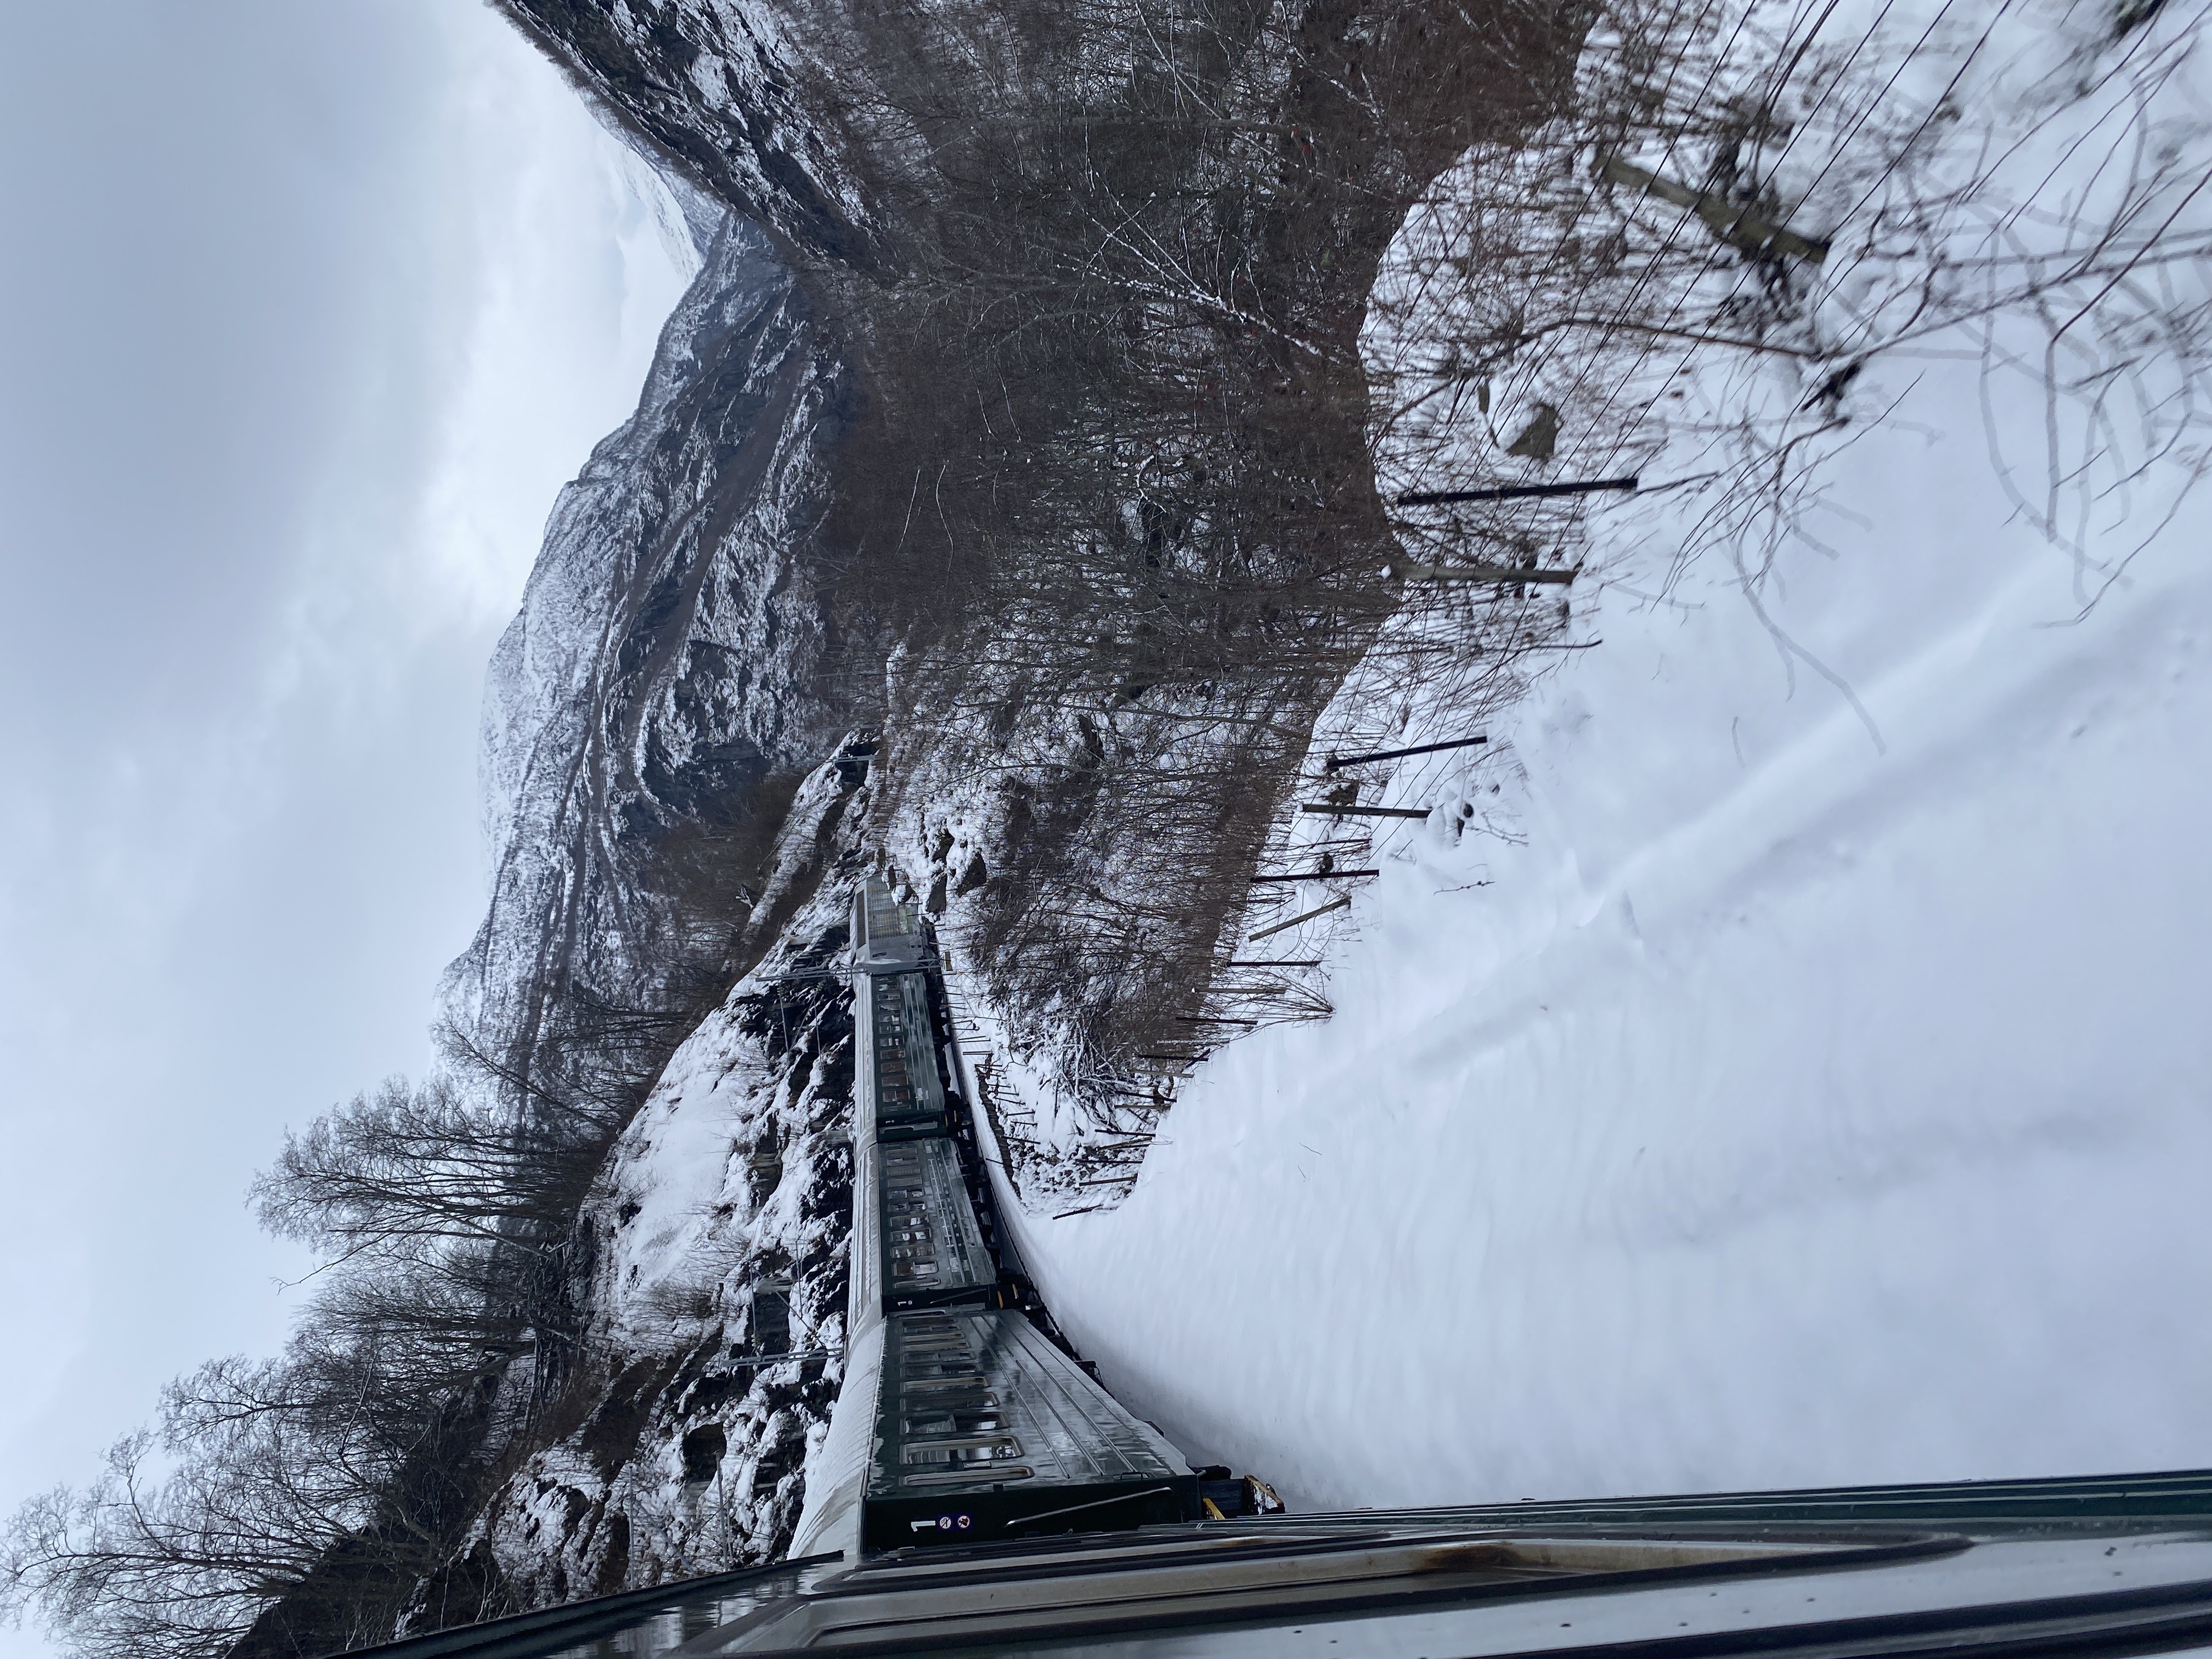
x=1336, y=761
x=1509, y=492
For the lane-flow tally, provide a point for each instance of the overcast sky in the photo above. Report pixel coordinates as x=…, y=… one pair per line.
x=309, y=309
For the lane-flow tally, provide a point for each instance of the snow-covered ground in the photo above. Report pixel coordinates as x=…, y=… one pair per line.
x=1784, y=1111
x=1797, y=1094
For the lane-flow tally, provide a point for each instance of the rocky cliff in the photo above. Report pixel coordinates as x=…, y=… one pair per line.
x=660, y=684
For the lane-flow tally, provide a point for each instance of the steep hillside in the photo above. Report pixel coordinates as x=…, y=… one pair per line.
x=717, y=1234
x=1107, y=507
x=659, y=688
x=1102, y=444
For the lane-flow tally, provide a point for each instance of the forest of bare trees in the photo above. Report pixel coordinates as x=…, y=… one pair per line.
x=1281, y=354
x=312, y=1502
x=1112, y=497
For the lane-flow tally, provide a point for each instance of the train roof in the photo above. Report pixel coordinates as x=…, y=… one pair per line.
x=887, y=936
x=933, y=1250
x=899, y=1050
x=986, y=1432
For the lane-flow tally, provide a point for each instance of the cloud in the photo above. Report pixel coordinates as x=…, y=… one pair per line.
x=324, y=303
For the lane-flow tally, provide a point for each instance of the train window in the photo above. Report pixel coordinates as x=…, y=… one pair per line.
x=947, y=1368
x=932, y=1342
x=964, y=1453
x=944, y=1422
x=999, y=1472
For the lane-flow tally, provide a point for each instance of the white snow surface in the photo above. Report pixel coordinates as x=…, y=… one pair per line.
x=1755, y=1094
x=1784, y=1111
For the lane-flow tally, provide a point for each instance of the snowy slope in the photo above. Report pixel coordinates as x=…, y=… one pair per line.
x=1784, y=1111
x=675, y=1452
x=1764, y=1090
x=1777, y=1061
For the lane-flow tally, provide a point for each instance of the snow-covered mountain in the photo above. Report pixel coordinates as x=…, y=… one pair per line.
x=675, y=1451
x=661, y=692
x=660, y=679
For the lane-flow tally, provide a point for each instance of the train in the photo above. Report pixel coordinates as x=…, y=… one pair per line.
x=987, y=1426
x=980, y=1492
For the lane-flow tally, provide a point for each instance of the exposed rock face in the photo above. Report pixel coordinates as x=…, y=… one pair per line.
x=708, y=85
x=675, y=1451
x=662, y=669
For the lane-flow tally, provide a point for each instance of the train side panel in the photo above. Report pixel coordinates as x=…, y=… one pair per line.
x=986, y=1432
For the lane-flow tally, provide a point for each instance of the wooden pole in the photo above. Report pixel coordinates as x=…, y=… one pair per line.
x=1318, y=875
x=1509, y=492
x=1336, y=760
x=1740, y=226
x=1337, y=904
x=1500, y=573
x=1366, y=812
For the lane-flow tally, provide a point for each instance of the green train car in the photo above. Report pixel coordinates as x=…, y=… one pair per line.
x=933, y=1249
x=979, y=1493
x=903, y=1079
x=985, y=1431
x=963, y=1415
